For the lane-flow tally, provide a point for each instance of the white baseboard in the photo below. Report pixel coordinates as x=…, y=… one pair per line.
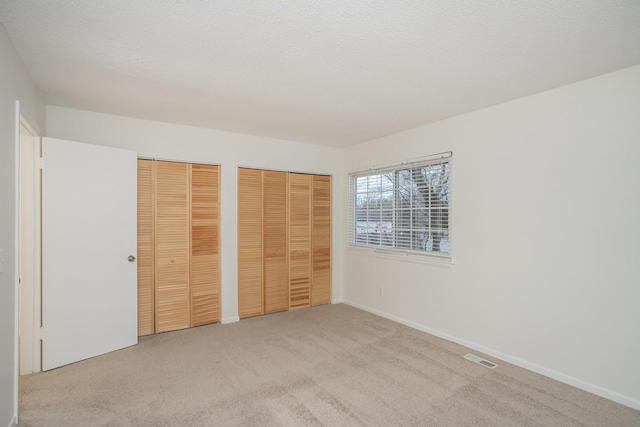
x=230, y=319
x=558, y=376
x=337, y=301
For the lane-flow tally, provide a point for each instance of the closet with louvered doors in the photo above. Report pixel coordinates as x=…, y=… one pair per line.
x=205, y=245
x=274, y=199
x=284, y=241
x=146, y=245
x=299, y=240
x=321, y=240
x=178, y=246
x=263, y=285
x=250, y=236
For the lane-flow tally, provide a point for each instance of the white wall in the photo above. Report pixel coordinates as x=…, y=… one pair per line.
x=546, y=235
x=15, y=84
x=230, y=150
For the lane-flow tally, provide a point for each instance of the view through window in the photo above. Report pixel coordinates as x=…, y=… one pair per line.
x=406, y=207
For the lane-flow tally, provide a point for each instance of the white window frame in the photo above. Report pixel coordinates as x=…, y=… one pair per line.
x=404, y=221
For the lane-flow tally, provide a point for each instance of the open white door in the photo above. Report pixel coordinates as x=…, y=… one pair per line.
x=89, y=287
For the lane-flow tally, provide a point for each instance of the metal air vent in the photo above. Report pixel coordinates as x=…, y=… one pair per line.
x=480, y=360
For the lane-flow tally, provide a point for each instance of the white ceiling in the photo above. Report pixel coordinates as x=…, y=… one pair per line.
x=325, y=71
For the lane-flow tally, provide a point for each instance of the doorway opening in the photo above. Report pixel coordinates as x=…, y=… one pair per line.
x=29, y=252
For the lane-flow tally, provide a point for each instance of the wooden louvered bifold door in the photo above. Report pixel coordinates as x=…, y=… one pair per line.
x=299, y=240
x=284, y=241
x=321, y=241
x=205, y=256
x=250, y=228
x=172, y=246
x=276, y=274
x=146, y=303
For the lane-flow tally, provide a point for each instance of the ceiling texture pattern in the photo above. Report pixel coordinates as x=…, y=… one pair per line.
x=326, y=72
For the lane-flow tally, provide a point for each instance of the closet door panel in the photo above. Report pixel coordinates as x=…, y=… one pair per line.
x=321, y=241
x=276, y=277
x=250, y=229
x=205, y=257
x=146, y=303
x=172, y=246
x=299, y=240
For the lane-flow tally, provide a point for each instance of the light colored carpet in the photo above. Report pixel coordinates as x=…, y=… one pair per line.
x=325, y=366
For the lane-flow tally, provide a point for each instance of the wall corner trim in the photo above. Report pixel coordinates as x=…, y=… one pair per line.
x=558, y=376
x=230, y=319
x=13, y=422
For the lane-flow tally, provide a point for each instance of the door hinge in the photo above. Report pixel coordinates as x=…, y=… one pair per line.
x=41, y=163
x=41, y=332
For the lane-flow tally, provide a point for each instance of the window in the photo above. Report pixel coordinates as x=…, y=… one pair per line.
x=404, y=207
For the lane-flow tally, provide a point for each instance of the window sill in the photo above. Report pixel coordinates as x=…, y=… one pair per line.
x=399, y=255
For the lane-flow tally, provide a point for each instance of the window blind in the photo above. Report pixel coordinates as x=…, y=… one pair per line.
x=403, y=207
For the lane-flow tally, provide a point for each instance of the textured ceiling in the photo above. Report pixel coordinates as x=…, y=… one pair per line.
x=326, y=72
